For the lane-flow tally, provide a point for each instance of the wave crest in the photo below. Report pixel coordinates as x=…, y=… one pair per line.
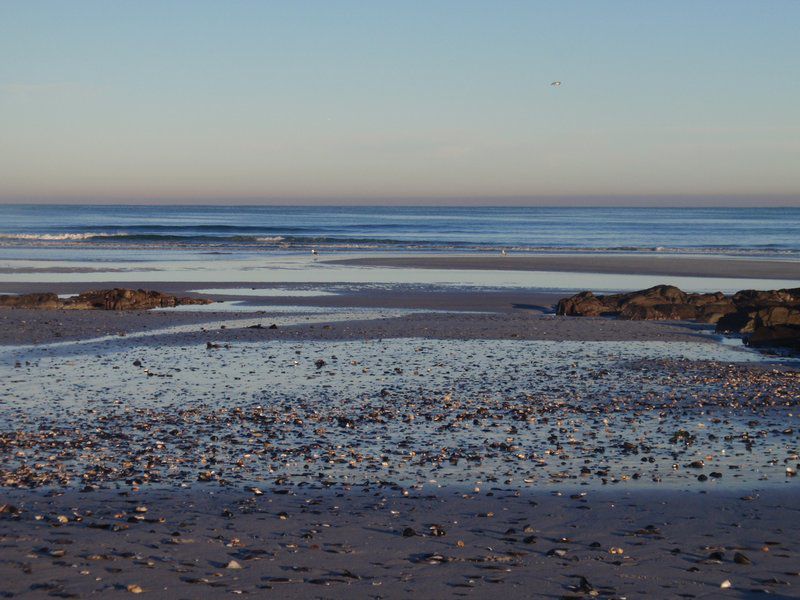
x=57, y=236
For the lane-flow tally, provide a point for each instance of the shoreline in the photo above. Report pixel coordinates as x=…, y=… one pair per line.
x=405, y=440
x=666, y=265
x=432, y=312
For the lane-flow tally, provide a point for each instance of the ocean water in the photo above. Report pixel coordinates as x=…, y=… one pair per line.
x=769, y=232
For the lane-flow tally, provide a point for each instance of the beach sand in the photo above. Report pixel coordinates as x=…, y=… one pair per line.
x=667, y=265
x=407, y=441
x=351, y=544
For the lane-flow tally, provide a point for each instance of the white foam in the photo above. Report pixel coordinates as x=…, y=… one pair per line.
x=57, y=236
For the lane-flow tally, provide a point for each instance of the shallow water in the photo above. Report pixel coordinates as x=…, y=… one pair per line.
x=265, y=292
x=415, y=411
x=294, y=269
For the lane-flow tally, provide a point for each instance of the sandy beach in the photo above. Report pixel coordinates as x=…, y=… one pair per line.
x=423, y=300
x=435, y=314
x=653, y=264
x=376, y=543
x=388, y=442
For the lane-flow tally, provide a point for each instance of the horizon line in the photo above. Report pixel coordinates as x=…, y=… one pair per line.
x=508, y=201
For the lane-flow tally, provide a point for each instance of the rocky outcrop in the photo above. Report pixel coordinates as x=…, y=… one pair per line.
x=114, y=299
x=755, y=309
x=765, y=318
x=662, y=302
x=776, y=336
x=42, y=301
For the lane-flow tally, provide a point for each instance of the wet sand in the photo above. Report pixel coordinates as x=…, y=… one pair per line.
x=22, y=327
x=376, y=543
x=669, y=265
x=411, y=311
x=405, y=441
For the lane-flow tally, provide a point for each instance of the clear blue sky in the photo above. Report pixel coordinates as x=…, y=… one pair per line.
x=196, y=100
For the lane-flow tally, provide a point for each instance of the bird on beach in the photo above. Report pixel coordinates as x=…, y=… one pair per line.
x=503, y=252
x=314, y=251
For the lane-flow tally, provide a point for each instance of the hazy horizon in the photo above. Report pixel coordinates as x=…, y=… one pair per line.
x=352, y=102
x=546, y=202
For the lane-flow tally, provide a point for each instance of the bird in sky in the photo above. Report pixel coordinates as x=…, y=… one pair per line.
x=555, y=84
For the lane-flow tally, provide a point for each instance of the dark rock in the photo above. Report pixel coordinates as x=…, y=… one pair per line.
x=768, y=318
x=585, y=304
x=42, y=301
x=114, y=299
x=785, y=336
x=659, y=302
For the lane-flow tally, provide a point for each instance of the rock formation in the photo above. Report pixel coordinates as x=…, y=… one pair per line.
x=662, y=302
x=115, y=299
x=766, y=318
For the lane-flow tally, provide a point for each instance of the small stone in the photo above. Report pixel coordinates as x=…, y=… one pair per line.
x=233, y=565
x=725, y=584
x=135, y=589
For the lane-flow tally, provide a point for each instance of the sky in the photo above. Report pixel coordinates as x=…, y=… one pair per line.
x=414, y=101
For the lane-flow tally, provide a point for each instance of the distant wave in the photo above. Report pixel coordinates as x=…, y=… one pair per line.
x=167, y=237
x=255, y=229
x=55, y=237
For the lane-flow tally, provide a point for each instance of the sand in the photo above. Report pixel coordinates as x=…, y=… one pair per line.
x=668, y=265
x=451, y=443
x=410, y=311
x=350, y=543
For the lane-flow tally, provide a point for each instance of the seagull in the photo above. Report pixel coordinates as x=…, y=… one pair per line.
x=555, y=84
x=314, y=251
x=504, y=253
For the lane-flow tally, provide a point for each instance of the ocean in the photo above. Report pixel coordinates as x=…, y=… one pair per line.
x=724, y=231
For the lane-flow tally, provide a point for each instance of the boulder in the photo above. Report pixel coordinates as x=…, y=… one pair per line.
x=751, y=318
x=736, y=322
x=756, y=298
x=659, y=294
x=713, y=312
x=646, y=311
x=585, y=304
x=776, y=336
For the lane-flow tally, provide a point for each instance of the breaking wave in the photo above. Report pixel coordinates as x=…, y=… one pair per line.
x=56, y=237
